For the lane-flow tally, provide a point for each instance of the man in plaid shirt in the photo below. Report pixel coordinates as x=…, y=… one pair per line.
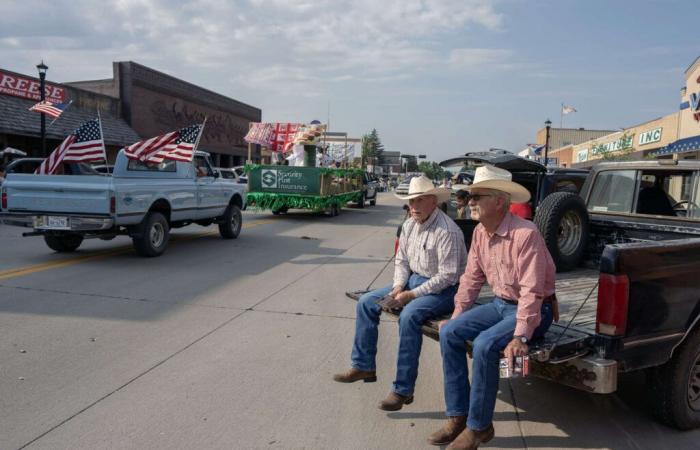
x=430, y=258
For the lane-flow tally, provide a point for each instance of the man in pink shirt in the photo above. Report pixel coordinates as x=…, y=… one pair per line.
x=509, y=253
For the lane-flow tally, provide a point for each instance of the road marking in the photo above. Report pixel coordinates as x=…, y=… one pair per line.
x=21, y=271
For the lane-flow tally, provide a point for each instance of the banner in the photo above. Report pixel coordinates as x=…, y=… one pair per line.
x=27, y=88
x=338, y=152
x=285, y=179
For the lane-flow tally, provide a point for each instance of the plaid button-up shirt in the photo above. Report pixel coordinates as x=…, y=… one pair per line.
x=433, y=249
x=516, y=264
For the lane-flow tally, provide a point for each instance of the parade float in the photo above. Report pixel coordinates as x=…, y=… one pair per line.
x=301, y=182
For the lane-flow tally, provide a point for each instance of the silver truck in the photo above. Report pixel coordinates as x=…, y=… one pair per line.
x=143, y=201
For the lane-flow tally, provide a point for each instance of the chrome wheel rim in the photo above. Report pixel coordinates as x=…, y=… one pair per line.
x=570, y=232
x=157, y=235
x=694, y=384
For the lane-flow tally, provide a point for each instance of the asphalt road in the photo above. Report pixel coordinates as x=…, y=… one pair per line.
x=232, y=344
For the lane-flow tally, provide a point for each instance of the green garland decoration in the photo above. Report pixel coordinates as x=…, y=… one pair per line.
x=274, y=201
x=352, y=171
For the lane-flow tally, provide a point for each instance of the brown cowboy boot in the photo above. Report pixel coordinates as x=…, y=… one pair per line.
x=449, y=431
x=352, y=375
x=394, y=402
x=470, y=439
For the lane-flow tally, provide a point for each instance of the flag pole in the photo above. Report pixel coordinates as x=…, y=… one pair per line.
x=199, y=136
x=102, y=135
x=561, y=116
x=64, y=110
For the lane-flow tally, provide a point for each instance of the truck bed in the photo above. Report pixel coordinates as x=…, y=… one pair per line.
x=572, y=288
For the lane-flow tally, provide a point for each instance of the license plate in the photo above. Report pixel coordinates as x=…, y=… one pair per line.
x=57, y=222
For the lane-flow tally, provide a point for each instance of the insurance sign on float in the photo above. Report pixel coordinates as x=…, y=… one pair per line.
x=11, y=84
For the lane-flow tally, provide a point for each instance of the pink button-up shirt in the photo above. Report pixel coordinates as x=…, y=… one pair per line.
x=516, y=264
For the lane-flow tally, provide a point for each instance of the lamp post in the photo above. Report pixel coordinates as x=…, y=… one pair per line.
x=42, y=68
x=548, y=125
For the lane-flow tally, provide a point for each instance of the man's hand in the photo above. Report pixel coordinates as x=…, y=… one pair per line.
x=394, y=292
x=515, y=348
x=404, y=297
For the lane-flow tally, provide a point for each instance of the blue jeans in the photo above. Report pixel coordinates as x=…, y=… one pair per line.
x=412, y=317
x=490, y=327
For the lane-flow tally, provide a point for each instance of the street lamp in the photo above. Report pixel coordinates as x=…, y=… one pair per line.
x=42, y=68
x=548, y=125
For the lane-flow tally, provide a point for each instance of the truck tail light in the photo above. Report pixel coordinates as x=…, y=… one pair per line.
x=613, y=299
x=4, y=199
x=112, y=204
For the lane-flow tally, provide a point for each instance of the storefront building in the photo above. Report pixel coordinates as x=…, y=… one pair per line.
x=675, y=136
x=635, y=143
x=153, y=103
x=21, y=128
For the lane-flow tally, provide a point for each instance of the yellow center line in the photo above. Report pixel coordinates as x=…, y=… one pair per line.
x=21, y=271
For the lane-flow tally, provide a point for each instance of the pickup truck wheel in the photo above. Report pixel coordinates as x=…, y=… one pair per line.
x=154, y=235
x=63, y=243
x=230, y=228
x=675, y=386
x=562, y=219
x=373, y=202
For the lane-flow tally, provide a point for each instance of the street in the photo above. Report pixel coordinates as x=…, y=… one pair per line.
x=232, y=345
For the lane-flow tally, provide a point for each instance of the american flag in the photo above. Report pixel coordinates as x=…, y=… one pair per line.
x=176, y=145
x=84, y=145
x=50, y=109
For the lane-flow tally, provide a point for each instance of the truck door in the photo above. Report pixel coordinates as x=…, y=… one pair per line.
x=208, y=192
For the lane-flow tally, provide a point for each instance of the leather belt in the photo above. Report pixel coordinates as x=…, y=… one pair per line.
x=551, y=300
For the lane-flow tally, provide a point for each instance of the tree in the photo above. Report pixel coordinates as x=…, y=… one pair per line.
x=372, y=147
x=432, y=170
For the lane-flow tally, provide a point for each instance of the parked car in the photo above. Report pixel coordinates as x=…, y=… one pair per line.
x=641, y=230
x=370, y=187
x=143, y=201
x=240, y=172
x=541, y=182
x=402, y=188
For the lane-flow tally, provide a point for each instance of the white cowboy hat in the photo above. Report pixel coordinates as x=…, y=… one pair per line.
x=423, y=186
x=492, y=177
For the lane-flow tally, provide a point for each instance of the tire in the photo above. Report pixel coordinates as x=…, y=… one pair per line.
x=562, y=219
x=373, y=202
x=153, y=236
x=675, y=386
x=230, y=228
x=361, y=203
x=63, y=243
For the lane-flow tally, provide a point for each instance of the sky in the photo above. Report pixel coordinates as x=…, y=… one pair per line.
x=434, y=77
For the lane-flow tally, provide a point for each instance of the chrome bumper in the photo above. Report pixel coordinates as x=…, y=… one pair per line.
x=587, y=373
x=75, y=222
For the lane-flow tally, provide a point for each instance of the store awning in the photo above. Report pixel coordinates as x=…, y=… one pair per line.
x=691, y=144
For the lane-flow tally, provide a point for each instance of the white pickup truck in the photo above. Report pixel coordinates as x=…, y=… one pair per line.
x=143, y=201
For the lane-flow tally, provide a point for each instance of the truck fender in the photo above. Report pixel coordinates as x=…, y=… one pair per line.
x=162, y=206
x=691, y=329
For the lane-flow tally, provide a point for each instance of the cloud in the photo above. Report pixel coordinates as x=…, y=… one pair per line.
x=277, y=39
x=480, y=58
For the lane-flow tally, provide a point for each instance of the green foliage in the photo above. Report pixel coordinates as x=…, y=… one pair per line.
x=274, y=201
x=432, y=170
x=372, y=147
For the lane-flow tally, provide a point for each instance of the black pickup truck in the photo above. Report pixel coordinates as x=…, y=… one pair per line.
x=634, y=301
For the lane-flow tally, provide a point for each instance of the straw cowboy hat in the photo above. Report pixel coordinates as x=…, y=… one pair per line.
x=492, y=177
x=423, y=186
